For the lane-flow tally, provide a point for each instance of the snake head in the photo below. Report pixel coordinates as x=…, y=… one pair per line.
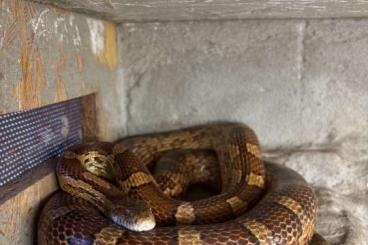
x=132, y=214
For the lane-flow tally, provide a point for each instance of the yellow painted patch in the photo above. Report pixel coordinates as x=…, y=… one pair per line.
x=189, y=237
x=185, y=214
x=109, y=55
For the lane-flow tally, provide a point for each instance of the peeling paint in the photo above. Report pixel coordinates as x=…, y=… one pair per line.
x=71, y=20
x=96, y=29
x=37, y=65
x=38, y=24
x=108, y=55
x=60, y=23
x=63, y=27
x=77, y=40
x=45, y=56
x=103, y=41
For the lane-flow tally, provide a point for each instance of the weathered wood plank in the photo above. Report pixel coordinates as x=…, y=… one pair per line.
x=89, y=118
x=48, y=55
x=27, y=180
x=18, y=214
x=178, y=10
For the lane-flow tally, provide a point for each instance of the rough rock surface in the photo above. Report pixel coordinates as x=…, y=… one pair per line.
x=339, y=175
x=300, y=84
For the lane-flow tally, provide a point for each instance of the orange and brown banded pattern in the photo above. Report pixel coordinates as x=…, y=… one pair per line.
x=282, y=205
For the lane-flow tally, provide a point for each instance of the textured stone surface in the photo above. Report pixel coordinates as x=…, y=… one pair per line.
x=300, y=84
x=341, y=218
x=335, y=101
x=339, y=175
x=266, y=73
x=181, y=74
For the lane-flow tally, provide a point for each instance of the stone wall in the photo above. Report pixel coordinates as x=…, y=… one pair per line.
x=300, y=84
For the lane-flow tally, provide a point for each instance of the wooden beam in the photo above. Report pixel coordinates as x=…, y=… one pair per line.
x=89, y=117
x=27, y=180
x=179, y=10
x=48, y=55
x=20, y=203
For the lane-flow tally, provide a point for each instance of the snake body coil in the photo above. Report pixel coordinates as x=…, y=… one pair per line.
x=99, y=177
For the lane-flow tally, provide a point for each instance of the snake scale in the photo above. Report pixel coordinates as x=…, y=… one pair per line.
x=110, y=197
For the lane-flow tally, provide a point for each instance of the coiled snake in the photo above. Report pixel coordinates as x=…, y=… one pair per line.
x=109, y=193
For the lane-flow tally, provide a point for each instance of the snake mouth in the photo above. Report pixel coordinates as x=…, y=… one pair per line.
x=132, y=214
x=142, y=225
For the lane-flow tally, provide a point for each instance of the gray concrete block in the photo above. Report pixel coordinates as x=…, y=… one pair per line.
x=297, y=83
x=180, y=74
x=335, y=101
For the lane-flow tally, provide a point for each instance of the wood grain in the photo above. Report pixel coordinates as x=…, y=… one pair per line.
x=178, y=10
x=18, y=214
x=49, y=55
x=89, y=118
x=28, y=179
x=46, y=56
